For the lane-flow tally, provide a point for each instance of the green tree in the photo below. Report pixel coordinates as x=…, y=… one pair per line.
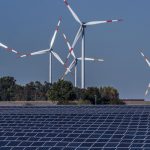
x=39, y=93
x=30, y=91
x=61, y=91
x=7, y=88
x=19, y=93
x=108, y=94
x=46, y=88
x=92, y=93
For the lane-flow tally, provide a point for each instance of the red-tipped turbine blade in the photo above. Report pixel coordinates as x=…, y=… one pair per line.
x=76, y=40
x=73, y=13
x=91, y=59
x=8, y=49
x=68, y=69
x=146, y=59
x=35, y=53
x=101, y=22
x=94, y=59
x=77, y=37
x=55, y=33
x=69, y=46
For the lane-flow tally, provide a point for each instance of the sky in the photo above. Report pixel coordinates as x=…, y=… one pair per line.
x=28, y=25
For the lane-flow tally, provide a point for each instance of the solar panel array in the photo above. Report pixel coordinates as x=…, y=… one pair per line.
x=75, y=128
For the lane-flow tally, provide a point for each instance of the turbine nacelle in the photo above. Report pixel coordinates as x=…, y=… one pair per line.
x=83, y=25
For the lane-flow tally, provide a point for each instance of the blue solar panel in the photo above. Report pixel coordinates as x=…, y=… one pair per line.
x=5, y=148
x=25, y=143
x=75, y=128
x=18, y=148
x=3, y=143
x=43, y=148
x=31, y=148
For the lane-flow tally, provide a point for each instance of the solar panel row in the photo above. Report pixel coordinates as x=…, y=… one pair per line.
x=76, y=110
x=75, y=127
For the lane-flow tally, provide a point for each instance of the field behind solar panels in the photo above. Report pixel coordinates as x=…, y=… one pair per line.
x=75, y=128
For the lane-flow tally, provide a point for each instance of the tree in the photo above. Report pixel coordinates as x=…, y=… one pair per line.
x=108, y=94
x=61, y=91
x=46, y=88
x=19, y=93
x=79, y=93
x=7, y=88
x=91, y=93
x=30, y=91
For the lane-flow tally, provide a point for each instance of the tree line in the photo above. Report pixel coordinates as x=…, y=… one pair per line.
x=11, y=91
x=62, y=92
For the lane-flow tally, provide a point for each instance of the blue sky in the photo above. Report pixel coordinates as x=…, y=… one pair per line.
x=27, y=26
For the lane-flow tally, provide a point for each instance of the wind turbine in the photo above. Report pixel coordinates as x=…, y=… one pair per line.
x=75, y=61
x=81, y=31
x=148, y=62
x=9, y=49
x=50, y=51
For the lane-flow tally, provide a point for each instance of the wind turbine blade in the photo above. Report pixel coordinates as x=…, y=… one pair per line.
x=147, y=89
x=76, y=40
x=3, y=46
x=73, y=13
x=40, y=52
x=146, y=59
x=24, y=55
x=71, y=65
x=94, y=59
x=91, y=59
x=101, y=60
x=55, y=33
x=69, y=46
x=9, y=49
x=77, y=37
x=100, y=22
x=35, y=53
x=68, y=69
x=58, y=57
x=146, y=92
x=14, y=51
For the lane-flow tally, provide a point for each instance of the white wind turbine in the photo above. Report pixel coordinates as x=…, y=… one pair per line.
x=81, y=31
x=50, y=51
x=148, y=62
x=75, y=61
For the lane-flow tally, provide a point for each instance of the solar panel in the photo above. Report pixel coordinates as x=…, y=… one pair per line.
x=75, y=127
